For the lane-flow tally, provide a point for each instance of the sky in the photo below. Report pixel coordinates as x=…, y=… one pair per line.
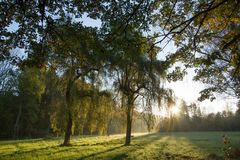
x=188, y=90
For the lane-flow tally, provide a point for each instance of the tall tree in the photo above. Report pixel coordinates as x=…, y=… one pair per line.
x=135, y=71
x=76, y=51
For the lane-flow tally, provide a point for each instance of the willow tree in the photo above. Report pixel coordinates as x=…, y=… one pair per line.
x=75, y=51
x=136, y=72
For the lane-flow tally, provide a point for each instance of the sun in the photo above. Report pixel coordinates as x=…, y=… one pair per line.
x=174, y=110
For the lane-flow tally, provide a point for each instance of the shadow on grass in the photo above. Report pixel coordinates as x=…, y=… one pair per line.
x=102, y=152
x=209, y=142
x=122, y=151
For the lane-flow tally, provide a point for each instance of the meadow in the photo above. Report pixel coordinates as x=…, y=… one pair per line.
x=178, y=145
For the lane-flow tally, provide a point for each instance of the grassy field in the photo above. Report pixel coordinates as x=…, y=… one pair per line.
x=192, y=145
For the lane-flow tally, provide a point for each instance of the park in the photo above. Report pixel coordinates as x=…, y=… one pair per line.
x=110, y=79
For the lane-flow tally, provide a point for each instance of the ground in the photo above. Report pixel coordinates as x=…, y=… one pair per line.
x=190, y=145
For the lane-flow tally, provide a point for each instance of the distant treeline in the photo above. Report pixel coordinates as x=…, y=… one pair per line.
x=32, y=104
x=190, y=118
x=31, y=120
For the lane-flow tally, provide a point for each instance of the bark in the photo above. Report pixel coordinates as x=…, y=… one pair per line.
x=129, y=127
x=68, y=131
x=129, y=121
x=69, y=121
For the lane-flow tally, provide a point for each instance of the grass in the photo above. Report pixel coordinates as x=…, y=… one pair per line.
x=191, y=145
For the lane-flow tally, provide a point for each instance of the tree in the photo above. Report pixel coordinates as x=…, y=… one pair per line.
x=183, y=117
x=149, y=118
x=8, y=109
x=8, y=77
x=134, y=72
x=30, y=89
x=207, y=37
x=76, y=51
x=169, y=101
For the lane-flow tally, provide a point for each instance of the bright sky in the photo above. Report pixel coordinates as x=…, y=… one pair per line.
x=188, y=90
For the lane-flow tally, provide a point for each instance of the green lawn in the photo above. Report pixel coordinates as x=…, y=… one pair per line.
x=191, y=145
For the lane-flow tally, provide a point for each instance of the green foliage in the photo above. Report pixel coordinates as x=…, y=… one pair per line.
x=31, y=87
x=8, y=109
x=30, y=83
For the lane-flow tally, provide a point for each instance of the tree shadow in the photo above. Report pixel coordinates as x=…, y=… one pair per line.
x=122, y=151
x=98, y=153
x=212, y=142
x=120, y=157
x=200, y=141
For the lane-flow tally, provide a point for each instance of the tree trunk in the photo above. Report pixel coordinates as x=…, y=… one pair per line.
x=129, y=121
x=69, y=121
x=68, y=131
x=16, y=126
x=129, y=127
